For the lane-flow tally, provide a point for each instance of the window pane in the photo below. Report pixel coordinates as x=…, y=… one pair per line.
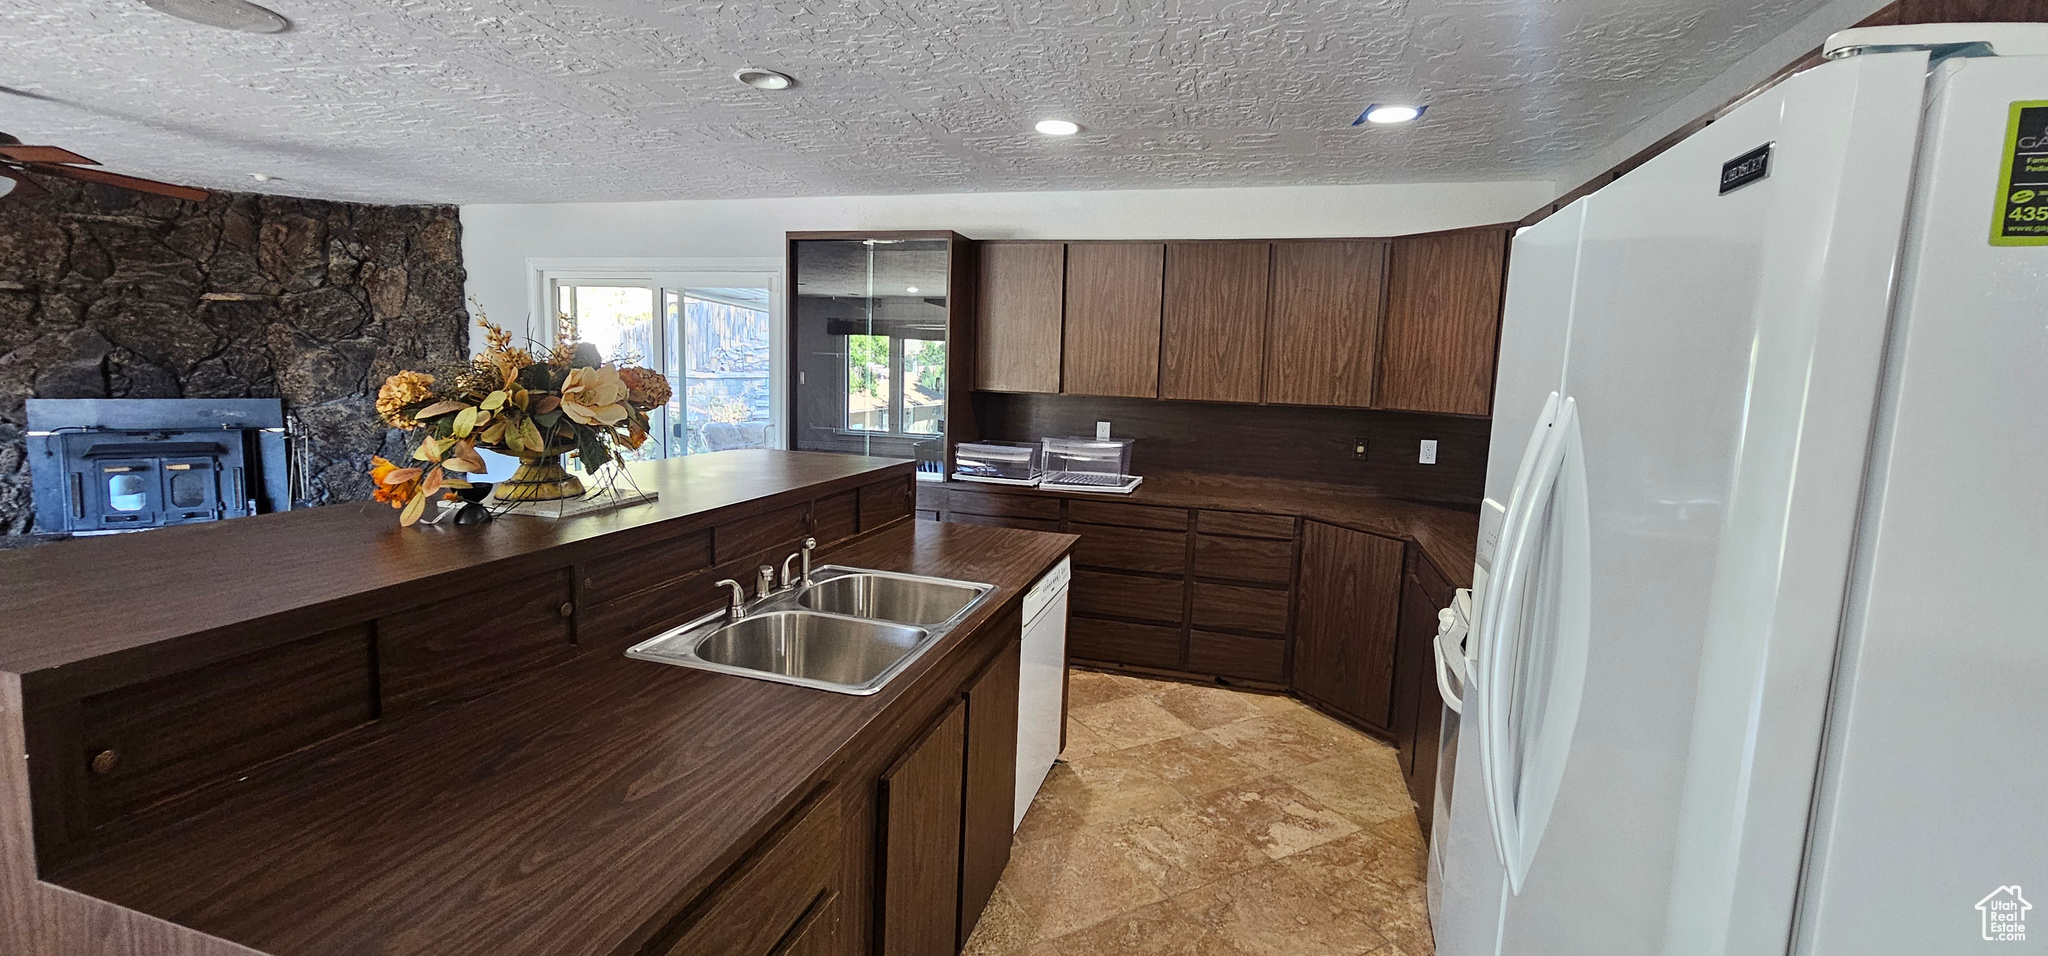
x=619, y=320
x=867, y=383
x=727, y=371
x=924, y=386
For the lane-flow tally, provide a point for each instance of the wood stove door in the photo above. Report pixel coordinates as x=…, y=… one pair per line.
x=124, y=492
x=191, y=490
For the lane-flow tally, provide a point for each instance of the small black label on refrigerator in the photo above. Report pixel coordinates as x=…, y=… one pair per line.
x=2023, y=178
x=1745, y=169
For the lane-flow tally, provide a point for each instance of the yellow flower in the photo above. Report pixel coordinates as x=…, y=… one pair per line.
x=592, y=396
x=400, y=391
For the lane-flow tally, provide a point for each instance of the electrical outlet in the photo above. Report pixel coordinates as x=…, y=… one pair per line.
x=1428, y=454
x=1101, y=431
x=1358, y=448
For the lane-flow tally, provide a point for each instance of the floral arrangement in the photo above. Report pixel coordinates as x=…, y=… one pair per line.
x=507, y=400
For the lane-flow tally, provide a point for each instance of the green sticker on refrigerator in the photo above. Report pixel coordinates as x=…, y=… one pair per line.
x=2023, y=180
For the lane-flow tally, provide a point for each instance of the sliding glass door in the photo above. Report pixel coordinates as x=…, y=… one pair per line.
x=713, y=335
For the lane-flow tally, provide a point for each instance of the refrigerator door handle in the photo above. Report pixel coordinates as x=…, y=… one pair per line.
x=1506, y=594
x=1443, y=679
x=1488, y=629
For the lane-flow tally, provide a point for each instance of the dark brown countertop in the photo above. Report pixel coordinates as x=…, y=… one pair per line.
x=71, y=601
x=513, y=816
x=1448, y=536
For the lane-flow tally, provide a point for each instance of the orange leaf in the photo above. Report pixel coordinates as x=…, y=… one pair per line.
x=399, y=476
x=431, y=483
x=438, y=409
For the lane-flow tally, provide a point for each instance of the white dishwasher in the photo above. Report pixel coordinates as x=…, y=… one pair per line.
x=1041, y=683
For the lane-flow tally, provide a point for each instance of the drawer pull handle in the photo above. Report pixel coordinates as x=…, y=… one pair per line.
x=103, y=763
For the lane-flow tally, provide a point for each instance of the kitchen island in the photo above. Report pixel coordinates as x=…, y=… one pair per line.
x=472, y=785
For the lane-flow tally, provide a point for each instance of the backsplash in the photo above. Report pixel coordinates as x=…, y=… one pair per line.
x=1270, y=441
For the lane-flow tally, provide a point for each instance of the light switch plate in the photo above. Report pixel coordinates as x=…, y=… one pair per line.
x=1428, y=455
x=1101, y=431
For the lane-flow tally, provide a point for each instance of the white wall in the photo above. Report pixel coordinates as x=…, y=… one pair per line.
x=497, y=240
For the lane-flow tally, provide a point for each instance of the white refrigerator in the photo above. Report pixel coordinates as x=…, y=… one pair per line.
x=1760, y=659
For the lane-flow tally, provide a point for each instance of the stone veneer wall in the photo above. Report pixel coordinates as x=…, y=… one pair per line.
x=106, y=293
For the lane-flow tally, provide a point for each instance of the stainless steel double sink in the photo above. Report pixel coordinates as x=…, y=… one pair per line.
x=849, y=631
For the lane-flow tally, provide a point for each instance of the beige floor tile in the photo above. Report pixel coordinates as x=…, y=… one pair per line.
x=1383, y=855
x=1366, y=786
x=1075, y=880
x=1081, y=741
x=1088, y=688
x=1275, y=741
x=1205, y=707
x=1401, y=914
x=1100, y=789
x=1181, y=848
x=1161, y=929
x=1195, y=764
x=1004, y=927
x=1271, y=813
x=1329, y=728
x=1130, y=722
x=1268, y=912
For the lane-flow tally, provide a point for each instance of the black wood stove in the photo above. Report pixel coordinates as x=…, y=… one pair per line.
x=102, y=465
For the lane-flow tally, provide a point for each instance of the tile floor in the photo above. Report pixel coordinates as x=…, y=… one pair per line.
x=1198, y=821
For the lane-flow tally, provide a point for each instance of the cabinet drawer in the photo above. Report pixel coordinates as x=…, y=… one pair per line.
x=1232, y=655
x=1247, y=524
x=1131, y=549
x=1251, y=560
x=780, y=885
x=1103, y=594
x=1117, y=642
x=648, y=566
x=995, y=521
x=752, y=535
x=886, y=501
x=1004, y=506
x=1130, y=516
x=449, y=651
x=1240, y=609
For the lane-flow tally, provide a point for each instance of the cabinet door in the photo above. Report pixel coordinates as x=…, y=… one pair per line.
x=1418, y=707
x=449, y=651
x=991, y=787
x=1325, y=321
x=1213, y=331
x=919, y=881
x=1347, y=614
x=1443, y=322
x=1112, y=324
x=1017, y=329
x=787, y=888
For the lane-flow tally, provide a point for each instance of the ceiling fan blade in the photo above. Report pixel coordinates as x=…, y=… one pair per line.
x=23, y=186
x=44, y=154
x=103, y=177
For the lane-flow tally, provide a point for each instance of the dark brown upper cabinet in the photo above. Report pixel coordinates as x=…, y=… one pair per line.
x=1443, y=322
x=1023, y=292
x=1112, y=321
x=1325, y=323
x=1213, y=332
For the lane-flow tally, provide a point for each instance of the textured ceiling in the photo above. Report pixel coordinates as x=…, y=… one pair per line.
x=557, y=100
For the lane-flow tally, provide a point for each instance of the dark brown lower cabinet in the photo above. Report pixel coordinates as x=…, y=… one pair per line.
x=990, y=795
x=1418, y=706
x=918, y=883
x=1347, y=615
x=785, y=899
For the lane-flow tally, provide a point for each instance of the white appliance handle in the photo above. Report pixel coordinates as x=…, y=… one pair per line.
x=1487, y=627
x=1443, y=679
x=1503, y=592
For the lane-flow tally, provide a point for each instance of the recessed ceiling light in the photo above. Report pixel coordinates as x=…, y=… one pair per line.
x=1388, y=113
x=1058, y=127
x=225, y=14
x=911, y=289
x=264, y=177
x=764, y=79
